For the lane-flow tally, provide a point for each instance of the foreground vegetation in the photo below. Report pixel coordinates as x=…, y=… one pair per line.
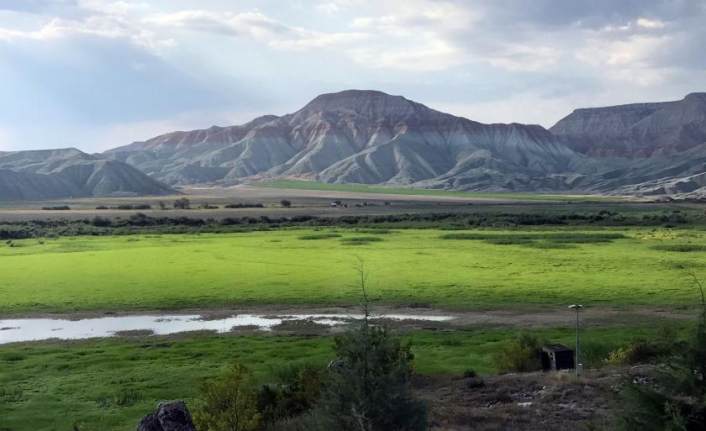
x=303, y=266
x=109, y=384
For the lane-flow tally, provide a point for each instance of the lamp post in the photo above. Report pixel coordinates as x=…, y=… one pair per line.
x=576, y=307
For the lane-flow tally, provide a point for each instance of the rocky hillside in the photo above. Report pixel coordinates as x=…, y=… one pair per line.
x=637, y=130
x=360, y=137
x=52, y=174
x=370, y=137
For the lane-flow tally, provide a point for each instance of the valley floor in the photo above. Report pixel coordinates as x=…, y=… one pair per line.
x=497, y=281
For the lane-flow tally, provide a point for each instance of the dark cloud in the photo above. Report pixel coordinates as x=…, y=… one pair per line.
x=586, y=13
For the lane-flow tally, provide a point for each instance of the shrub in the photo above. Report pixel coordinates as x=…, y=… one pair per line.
x=371, y=389
x=296, y=392
x=475, y=383
x=229, y=403
x=237, y=206
x=317, y=236
x=182, y=204
x=618, y=356
x=101, y=221
x=57, y=208
x=285, y=203
x=522, y=355
x=469, y=374
x=362, y=240
x=680, y=248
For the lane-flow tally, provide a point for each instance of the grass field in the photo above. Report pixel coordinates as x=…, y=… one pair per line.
x=460, y=269
x=104, y=385
x=362, y=188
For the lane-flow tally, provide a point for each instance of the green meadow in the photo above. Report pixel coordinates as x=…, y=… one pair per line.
x=363, y=188
x=110, y=384
x=447, y=269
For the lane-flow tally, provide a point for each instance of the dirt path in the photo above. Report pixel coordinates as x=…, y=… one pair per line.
x=533, y=319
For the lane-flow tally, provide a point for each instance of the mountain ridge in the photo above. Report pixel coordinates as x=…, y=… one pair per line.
x=67, y=173
x=638, y=130
x=353, y=136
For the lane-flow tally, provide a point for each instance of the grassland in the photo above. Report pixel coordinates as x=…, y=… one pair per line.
x=110, y=384
x=459, y=270
x=363, y=188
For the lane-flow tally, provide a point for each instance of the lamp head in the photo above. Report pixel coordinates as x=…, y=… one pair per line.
x=575, y=306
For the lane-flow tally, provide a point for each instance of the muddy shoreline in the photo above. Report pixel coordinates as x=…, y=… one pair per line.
x=504, y=317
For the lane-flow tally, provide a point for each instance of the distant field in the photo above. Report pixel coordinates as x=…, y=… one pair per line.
x=451, y=269
x=110, y=384
x=362, y=188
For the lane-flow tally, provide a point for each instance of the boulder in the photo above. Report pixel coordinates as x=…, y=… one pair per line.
x=168, y=417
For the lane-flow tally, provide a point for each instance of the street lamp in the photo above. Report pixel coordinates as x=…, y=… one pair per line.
x=576, y=307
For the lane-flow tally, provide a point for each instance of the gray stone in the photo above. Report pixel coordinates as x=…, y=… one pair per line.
x=168, y=417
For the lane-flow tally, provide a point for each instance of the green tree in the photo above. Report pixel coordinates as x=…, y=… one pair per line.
x=370, y=386
x=182, y=204
x=676, y=400
x=229, y=403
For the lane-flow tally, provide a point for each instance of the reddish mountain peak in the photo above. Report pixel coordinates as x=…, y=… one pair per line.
x=366, y=103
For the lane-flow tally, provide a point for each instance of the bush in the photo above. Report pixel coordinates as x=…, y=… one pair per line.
x=285, y=203
x=362, y=240
x=229, y=403
x=238, y=206
x=57, y=208
x=676, y=398
x=371, y=388
x=317, y=236
x=182, y=204
x=469, y=374
x=680, y=248
x=101, y=221
x=522, y=355
x=296, y=392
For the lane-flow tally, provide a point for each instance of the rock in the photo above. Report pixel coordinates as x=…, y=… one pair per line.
x=149, y=423
x=169, y=417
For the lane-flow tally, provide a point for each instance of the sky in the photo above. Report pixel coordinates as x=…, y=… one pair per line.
x=96, y=74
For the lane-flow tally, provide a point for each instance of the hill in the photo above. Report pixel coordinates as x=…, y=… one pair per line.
x=638, y=130
x=52, y=174
x=364, y=137
x=369, y=137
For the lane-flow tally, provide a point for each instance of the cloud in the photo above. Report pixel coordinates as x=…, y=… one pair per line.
x=142, y=66
x=328, y=8
x=36, y=6
x=648, y=23
x=254, y=25
x=105, y=25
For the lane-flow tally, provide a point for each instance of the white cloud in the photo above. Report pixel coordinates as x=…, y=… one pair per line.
x=327, y=8
x=628, y=60
x=430, y=55
x=257, y=26
x=646, y=23
x=100, y=25
x=524, y=58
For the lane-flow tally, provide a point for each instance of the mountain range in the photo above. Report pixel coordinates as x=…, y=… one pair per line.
x=370, y=137
x=54, y=174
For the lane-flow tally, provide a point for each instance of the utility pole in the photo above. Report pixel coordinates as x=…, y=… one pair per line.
x=576, y=307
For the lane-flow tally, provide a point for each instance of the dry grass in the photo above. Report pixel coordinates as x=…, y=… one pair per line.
x=534, y=401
